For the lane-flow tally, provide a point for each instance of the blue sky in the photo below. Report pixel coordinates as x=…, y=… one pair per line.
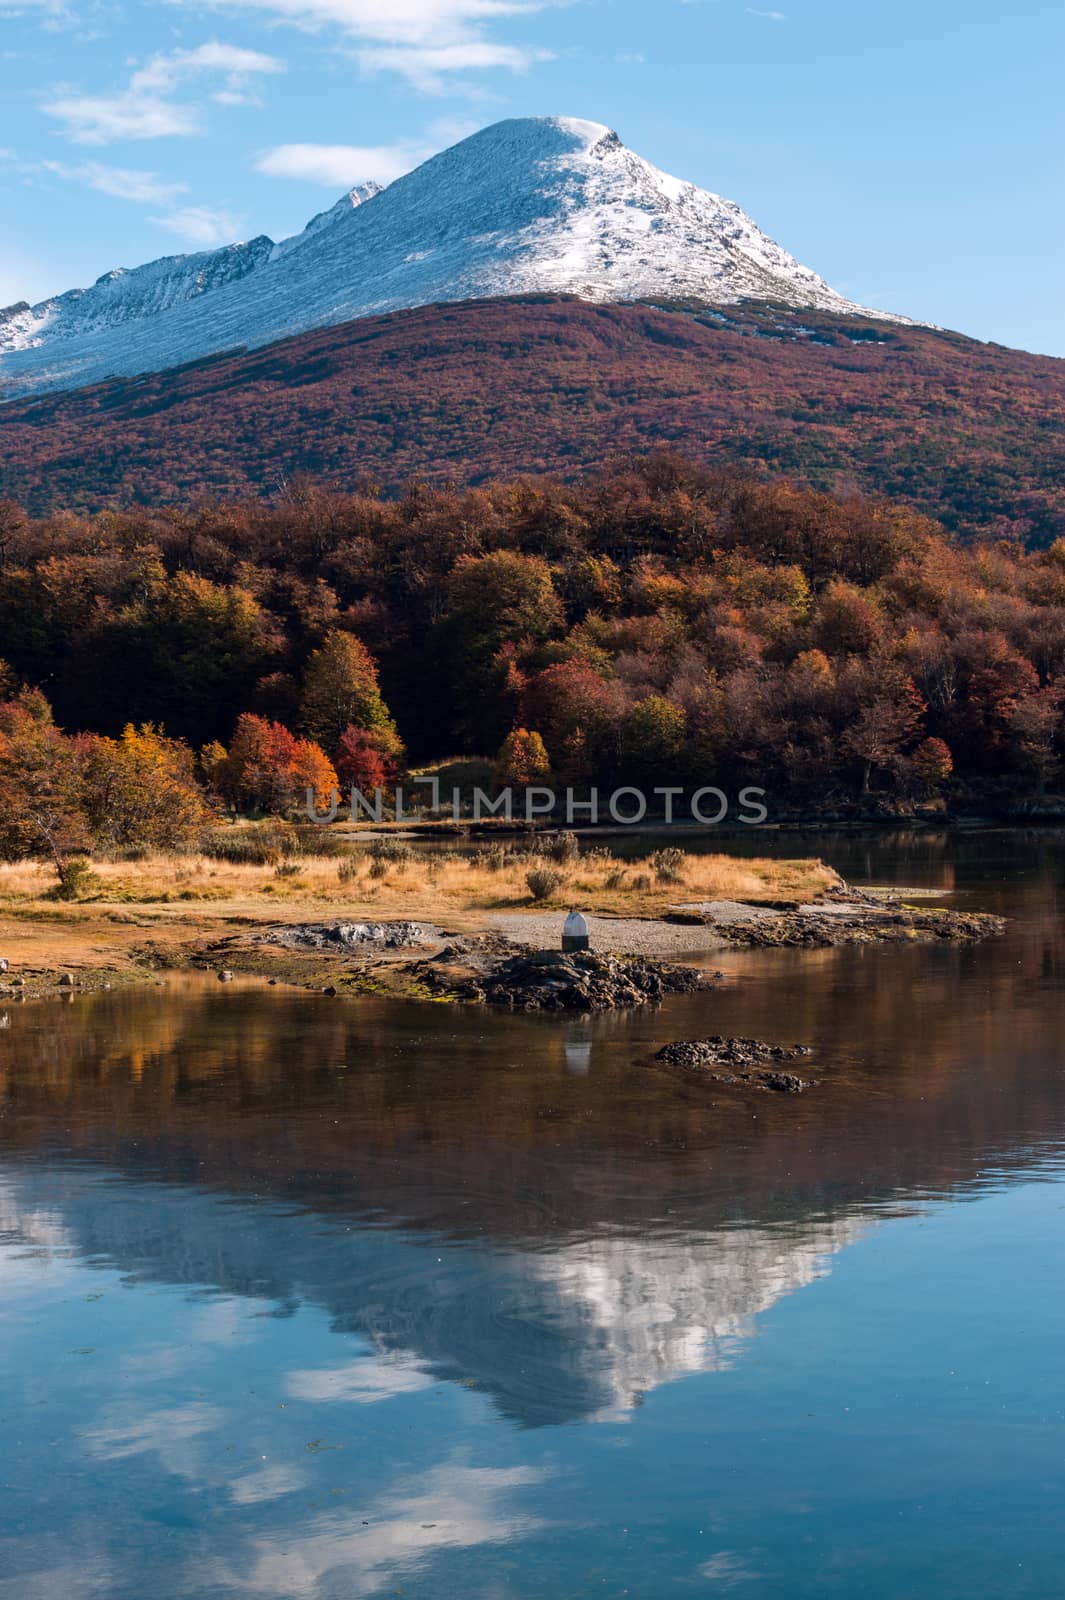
x=912, y=153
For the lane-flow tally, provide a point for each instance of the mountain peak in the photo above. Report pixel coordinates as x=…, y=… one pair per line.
x=570, y=132
x=358, y=196
x=528, y=205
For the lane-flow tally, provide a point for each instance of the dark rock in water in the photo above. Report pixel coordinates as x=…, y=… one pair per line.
x=225, y=976
x=739, y=1063
x=862, y=920
x=549, y=980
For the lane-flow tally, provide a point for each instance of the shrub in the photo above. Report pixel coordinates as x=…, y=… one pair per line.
x=261, y=846
x=314, y=840
x=543, y=882
x=392, y=851
x=348, y=870
x=668, y=865
x=564, y=848
x=76, y=879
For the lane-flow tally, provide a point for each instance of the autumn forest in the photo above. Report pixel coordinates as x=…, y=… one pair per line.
x=660, y=622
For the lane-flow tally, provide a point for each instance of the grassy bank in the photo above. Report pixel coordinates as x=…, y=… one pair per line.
x=136, y=916
x=394, y=880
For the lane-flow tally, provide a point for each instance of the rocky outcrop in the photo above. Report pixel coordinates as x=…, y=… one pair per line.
x=739, y=1063
x=848, y=918
x=338, y=936
x=547, y=980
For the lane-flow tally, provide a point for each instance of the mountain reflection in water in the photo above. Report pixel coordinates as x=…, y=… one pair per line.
x=428, y=1233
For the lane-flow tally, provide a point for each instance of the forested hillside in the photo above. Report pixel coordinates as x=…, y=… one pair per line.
x=969, y=433
x=659, y=623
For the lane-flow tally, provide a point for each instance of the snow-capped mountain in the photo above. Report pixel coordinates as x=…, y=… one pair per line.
x=549, y=204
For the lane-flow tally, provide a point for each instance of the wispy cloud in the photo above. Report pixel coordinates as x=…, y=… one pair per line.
x=200, y=225
x=363, y=1382
x=341, y=166
x=146, y=108
x=427, y=67
x=93, y=119
x=770, y=16
x=53, y=14
x=423, y=40
x=146, y=187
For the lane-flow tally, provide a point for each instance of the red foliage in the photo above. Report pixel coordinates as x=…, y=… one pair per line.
x=967, y=432
x=363, y=763
x=268, y=769
x=659, y=619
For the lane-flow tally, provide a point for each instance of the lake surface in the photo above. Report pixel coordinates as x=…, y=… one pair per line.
x=302, y=1297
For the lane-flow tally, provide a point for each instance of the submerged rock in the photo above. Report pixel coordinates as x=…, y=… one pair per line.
x=739, y=1063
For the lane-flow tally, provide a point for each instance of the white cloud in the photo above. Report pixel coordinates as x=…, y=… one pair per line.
x=453, y=1507
x=421, y=39
x=124, y=184
x=164, y=72
x=146, y=109
x=54, y=14
x=427, y=66
x=411, y=22
x=341, y=166
x=152, y=1432
x=269, y=1483
x=100, y=120
x=199, y=225
x=363, y=1382
x=770, y=16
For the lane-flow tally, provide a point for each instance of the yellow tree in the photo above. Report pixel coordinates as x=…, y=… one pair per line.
x=41, y=810
x=522, y=760
x=140, y=790
x=340, y=689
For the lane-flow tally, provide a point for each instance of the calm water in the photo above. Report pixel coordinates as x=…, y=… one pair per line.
x=319, y=1298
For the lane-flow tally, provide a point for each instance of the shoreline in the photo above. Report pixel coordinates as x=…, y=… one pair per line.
x=94, y=947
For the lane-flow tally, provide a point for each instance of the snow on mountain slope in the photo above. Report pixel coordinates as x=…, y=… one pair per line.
x=548, y=204
x=129, y=294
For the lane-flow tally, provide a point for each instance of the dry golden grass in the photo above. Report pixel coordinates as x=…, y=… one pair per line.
x=427, y=886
